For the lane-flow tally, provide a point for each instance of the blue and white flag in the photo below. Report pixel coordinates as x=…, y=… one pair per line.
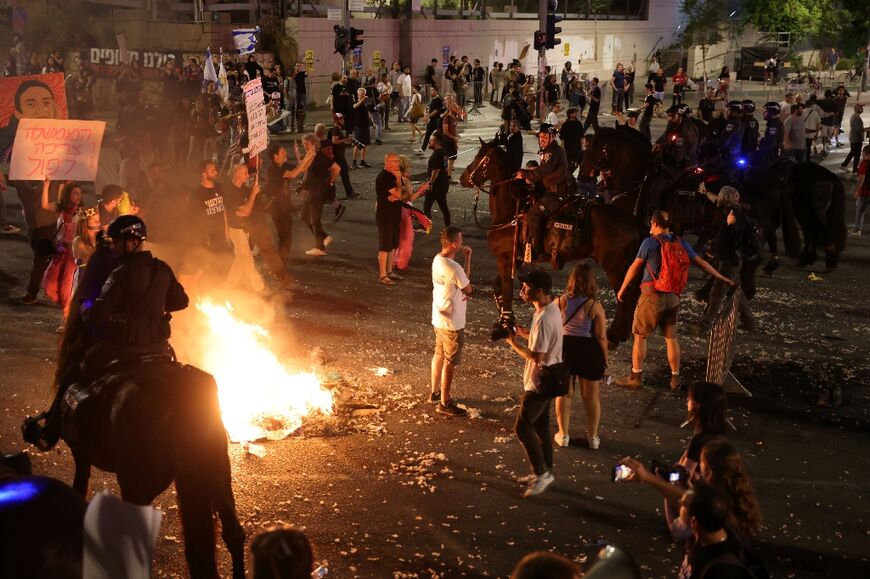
x=245, y=39
x=208, y=72
x=222, y=83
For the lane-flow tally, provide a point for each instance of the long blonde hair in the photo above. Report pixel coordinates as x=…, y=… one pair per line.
x=582, y=282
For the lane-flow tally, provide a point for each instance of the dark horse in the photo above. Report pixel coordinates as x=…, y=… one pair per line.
x=152, y=421
x=605, y=233
x=818, y=200
x=622, y=148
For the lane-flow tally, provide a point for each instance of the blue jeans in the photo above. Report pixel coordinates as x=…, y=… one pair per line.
x=860, y=206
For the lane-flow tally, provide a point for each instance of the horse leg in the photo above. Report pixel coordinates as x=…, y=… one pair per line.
x=194, y=506
x=82, y=475
x=225, y=504
x=616, y=266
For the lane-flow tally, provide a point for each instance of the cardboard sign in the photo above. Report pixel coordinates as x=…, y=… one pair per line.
x=376, y=59
x=258, y=130
x=309, y=60
x=57, y=149
x=567, y=49
x=32, y=93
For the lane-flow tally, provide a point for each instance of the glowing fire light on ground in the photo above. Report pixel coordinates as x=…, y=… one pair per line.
x=259, y=396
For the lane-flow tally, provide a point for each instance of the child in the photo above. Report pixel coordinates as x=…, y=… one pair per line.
x=58, y=279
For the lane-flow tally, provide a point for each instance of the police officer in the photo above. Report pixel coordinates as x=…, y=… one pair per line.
x=749, y=141
x=730, y=140
x=770, y=147
x=678, y=147
x=132, y=312
x=553, y=176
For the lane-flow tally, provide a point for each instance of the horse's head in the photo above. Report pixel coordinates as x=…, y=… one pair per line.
x=594, y=155
x=483, y=166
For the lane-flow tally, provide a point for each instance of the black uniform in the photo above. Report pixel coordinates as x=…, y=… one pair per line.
x=749, y=141
x=679, y=150
x=554, y=176
x=727, y=143
x=513, y=142
x=771, y=145
x=132, y=312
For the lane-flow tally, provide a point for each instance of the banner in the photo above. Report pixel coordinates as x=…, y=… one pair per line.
x=57, y=149
x=109, y=62
x=258, y=131
x=245, y=40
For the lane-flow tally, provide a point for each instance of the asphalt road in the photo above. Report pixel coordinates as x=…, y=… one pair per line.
x=405, y=492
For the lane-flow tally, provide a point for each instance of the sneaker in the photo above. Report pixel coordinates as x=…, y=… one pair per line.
x=378, y=142
x=450, y=408
x=435, y=396
x=28, y=299
x=364, y=164
x=855, y=232
x=10, y=229
x=315, y=251
x=327, y=240
x=594, y=442
x=561, y=440
x=354, y=166
x=339, y=211
x=525, y=480
x=539, y=485
x=633, y=382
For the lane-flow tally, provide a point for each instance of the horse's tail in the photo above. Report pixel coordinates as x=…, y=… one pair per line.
x=203, y=477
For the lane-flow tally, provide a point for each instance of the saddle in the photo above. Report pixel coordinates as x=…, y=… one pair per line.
x=565, y=224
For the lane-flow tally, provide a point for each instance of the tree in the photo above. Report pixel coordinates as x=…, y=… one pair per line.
x=706, y=25
x=820, y=22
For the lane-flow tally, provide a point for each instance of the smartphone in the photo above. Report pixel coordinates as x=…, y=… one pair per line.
x=621, y=472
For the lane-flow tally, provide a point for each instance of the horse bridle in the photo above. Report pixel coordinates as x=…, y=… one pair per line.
x=484, y=162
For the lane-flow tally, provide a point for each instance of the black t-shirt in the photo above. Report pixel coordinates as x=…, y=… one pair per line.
x=436, y=105
x=299, y=79
x=701, y=557
x=207, y=207
x=386, y=208
x=341, y=101
x=361, y=115
x=317, y=176
x=234, y=197
x=477, y=74
x=329, y=148
x=658, y=82
x=594, y=99
x=430, y=75
x=438, y=161
x=275, y=179
x=271, y=84
x=572, y=135
x=650, y=101
x=697, y=443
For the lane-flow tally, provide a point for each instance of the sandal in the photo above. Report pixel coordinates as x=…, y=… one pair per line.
x=387, y=281
x=394, y=276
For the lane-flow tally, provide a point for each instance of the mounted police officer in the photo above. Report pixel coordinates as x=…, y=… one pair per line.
x=127, y=318
x=678, y=147
x=553, y=184
x=726, y=142
x=771, y=145
x=132, y=312
x=749, y=141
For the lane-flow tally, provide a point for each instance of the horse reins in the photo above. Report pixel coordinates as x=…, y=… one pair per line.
x=484, y=162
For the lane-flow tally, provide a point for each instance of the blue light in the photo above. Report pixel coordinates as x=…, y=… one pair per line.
x=16, y=492
x=741, y=162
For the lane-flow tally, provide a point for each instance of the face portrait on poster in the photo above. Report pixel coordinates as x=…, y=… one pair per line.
x=40, y=96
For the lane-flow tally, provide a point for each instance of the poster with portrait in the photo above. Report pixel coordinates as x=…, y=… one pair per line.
x=38, y=96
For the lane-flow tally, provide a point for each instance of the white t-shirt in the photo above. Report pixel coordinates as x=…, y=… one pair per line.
x=405, y=81
x=545, y=336
x=448, y=301
x=552, y=118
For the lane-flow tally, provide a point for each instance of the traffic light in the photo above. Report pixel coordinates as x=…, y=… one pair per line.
x=540, y=39
x=552, y=29
x=356, y=37
x=340, y=39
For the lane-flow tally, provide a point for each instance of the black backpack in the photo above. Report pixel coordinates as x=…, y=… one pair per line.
x=753, y=238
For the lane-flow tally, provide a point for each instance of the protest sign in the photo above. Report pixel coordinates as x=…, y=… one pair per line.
x=57, y=149
x=258, y=132
x=38, y=95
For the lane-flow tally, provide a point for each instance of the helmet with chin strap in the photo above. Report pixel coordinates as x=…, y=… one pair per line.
x=127, y=227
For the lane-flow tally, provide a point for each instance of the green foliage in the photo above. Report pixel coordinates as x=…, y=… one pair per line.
x=704, y=22
x=821, y=22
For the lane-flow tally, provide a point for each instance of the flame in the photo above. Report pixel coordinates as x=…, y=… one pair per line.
x=258, y=395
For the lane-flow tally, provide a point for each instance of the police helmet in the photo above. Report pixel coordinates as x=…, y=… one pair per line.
x=683, y=109
x=674, y=110
x=772, y=108
x=735, y=106
x=748, y=106
x=127, y=227
x=547, y=129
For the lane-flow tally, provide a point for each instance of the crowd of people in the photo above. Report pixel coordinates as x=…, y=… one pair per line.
x=710, y=501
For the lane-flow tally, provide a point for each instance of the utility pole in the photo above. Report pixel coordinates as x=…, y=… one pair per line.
x=345, y=22
x=543, y=5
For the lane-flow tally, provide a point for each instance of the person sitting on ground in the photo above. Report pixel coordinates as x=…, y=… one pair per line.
x=282, y=553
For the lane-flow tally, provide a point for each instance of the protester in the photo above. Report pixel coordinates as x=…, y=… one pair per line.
x=584, y=350
x=402, y=254
x=544, y=349
x=415, y=113
x=649, y=105
x=659, y=301
x=450, y=132
x=58, y=279
x=433, y=117
x=795, y=137
x=679, y=81
x=361, y=135
x=438, y=180
x=451, y=288
x=85, y=242
x=862, y=192
x=240, y=200
x=202, y=133
x=391, y=187
x=856, y=138
x=279, y=177
x=334, y=146
x=319, y=187
x=571, y=133
x=594, y=104
x=617, y=83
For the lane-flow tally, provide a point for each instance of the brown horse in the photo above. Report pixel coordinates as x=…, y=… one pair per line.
x=622, y=156
x=606, y=233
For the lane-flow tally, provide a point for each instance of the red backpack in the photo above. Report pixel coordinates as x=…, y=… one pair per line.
x=674, y=273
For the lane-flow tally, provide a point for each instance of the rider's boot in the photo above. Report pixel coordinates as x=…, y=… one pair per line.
x=43, y=436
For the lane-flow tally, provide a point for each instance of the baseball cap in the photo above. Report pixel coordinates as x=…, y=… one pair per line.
x=538, y=278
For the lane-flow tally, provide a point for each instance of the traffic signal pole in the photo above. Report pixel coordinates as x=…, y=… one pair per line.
x=543, y=5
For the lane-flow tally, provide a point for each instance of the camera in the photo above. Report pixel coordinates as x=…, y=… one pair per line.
x=669, y=473
x=621, y=472
x=500, y=332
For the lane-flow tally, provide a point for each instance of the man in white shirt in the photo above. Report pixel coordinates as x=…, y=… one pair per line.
x=450, y=291
x=404, y=94
x=544, y=349
x=553, y=116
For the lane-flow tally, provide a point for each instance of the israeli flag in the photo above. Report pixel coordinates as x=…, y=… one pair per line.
x=208, y=72
x=245, y=39
x=222, y=83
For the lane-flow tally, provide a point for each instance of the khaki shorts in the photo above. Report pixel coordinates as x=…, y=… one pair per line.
x=448, y=344
x=656, y=310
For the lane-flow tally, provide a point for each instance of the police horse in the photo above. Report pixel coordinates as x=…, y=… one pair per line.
x=152, y=421
x=578, y=230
